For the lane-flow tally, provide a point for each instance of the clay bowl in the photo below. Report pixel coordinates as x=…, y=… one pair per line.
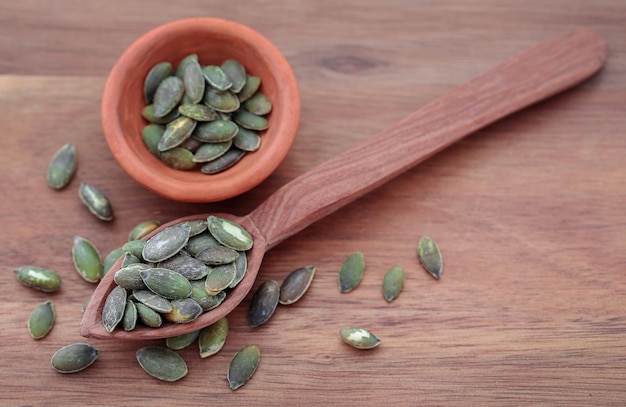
x=213, y=40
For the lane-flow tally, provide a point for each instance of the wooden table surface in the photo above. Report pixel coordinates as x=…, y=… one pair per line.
x=530, y=213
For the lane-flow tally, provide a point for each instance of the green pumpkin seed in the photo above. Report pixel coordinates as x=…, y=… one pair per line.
x=202, y=297
x=351, y=272
x=110, y=259
x=247, y=140
x=223, y=162
x=143, y=229
x=214, y=256
x=216, y=131
x=210, y=151
x=129, y=319
x=430, y=256
x=229, y=233
x=62, y=167
x=359, y=338
x=166, y=283
x=189, y=267
x=264, y=302
x=129, y=259
x=97, y=203
x=196, y=226
x=258, y=104
x=74, y=358
x=155, y=76
x=162, y=363
x=166, y=243
x=38, y=278
x=250, y=88
x=41, y=320
x=393, y=282
x=148, y=316
x=222, y=101
x=212, y=338
x=152, y=300
x=176, y=133
x=134, y=247
x=113, y=309
x=241, y=264
x=296, y=284
x=236, y=73
x=167, y=95
x=178, y=158
x=200, y=242
x=193, y=80
x=242, y=366
x=151, y=135
x=183, y=63
x=216, y=77
x=220, y=278
x=181, y=341
x=183, y=311
x=86, y=260
x=148, y=114
x=250, y=121
x=197, y=112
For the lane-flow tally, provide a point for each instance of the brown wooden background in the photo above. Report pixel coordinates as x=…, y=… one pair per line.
x=529, y=213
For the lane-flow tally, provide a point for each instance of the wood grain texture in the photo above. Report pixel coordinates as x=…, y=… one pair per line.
x=528, y=212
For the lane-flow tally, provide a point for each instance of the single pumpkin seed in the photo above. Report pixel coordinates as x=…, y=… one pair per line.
x=216, y=131
x=393, y=282
x=220, y=278
x=264, y=302
x=41, y=320
x=212, y=338
x=167, y=95
x=258, y=104
x=247, y=140
x=166, y=243
x=176, y=133
x=351, y=272
x=217, y=255
x=86, y=260
x=200, y=242
x=210, y=151
x=241, y=264
x=38, y=278
x=180, y=69
x=62, y=167
x=250, y=121
x=129, y=319
x=74, y=358
x=178, y=158
x=202, y=297
x=129, y=259
x=198, y=112
x=113, y=309
x=221, y=101
x=152, y=300
x=189, y=267
x=359, y=338
x=196, y=226
x=181, y=341
x=216, y=77
x=223, y=162
x=143, y=229
x=236, y=73
x=193, y=80
x=134, y=247
x=148, y=316
x=151, y=135
x=250, y=88
x=229, y=233
x=97, y=203
x=162, y=363
x=155, y=76
x=242, y=366
x=113, y=256
x=296, y=284
x=148, y=114
x=166, y=283
x=430, y=256
x=183, y=311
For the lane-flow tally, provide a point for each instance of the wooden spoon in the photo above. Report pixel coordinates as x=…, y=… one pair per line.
x=535, y=74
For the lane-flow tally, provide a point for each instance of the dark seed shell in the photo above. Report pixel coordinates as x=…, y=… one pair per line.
x=242, y=366
x=296, y=284
x=263, y=303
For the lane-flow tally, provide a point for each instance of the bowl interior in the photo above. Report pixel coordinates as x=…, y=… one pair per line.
x=214, y=41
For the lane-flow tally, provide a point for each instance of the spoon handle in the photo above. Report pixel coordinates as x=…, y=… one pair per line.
x=535, y=74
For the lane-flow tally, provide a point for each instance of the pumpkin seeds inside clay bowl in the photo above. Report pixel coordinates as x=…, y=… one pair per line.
x=214, y=41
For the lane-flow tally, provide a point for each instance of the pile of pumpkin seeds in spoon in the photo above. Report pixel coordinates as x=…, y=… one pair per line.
x=203, y=115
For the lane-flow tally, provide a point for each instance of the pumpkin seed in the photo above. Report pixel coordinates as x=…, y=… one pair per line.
x=62, y=167
x=249, y=88
x=183, y=311
x=152, y=300
x=196, y=226
x=110, y=259
x=197, y=112
x=217, y=255
x=167, y=283
x=193, y=80
x=86, y=260
x=296, y=284
x=38, y=278
x=41, y=320
x=161, y=363
x=222, y=101
x=113, y=309
x=223, y=162
x=129, y=277
x=129, y=319
x=181, y=65
x=220, y=278
x=148, y=114
x=129, y=259
x=202, y=297
x=155, y=76
x=229, y=233
x=236, y=73
x=166, y=243
x=430, y=256
x=74, y=358
x=351, y=272
x=264, y=302
x=176, y=133
x=200, y=242
x=167, y=95
x=151, y=135
x=210, y=151
x=148, y=316
x=241, y=264
x=97, y=203
x=134, y=247
x=189, y=267
x=250, y=121
x=247, y=140
x=359, y=338
x=242, y=366
x=216, y=131
x=212, y=338
x=181, y=341
x=143, y=229
x=178, y=158
x=216, y=77
x=258, y=104
x=393, y=282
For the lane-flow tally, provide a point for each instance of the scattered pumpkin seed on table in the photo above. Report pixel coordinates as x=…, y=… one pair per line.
x=351, y=272
x=212, y=338
x=242, y=366
x=430, y=256
x=97, y=203
x=264, y=302
x=41, y=320
x=39, y=278
x=62, y=167
x=393, y=282
x=162, y=363
x=359, y=338
x=181, y=341
x=296, y=284
x=74, y=357
x=86, y=260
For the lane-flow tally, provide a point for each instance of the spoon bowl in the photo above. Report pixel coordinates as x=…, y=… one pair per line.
x=532, y=75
